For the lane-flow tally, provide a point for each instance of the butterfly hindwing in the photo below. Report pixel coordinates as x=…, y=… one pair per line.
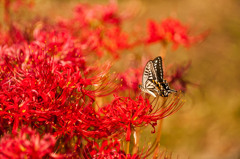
x=148, y=73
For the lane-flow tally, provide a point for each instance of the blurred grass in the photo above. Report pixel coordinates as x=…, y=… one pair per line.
x=208, y=125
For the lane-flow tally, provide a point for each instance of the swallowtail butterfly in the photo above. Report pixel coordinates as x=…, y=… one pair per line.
x=152, y=79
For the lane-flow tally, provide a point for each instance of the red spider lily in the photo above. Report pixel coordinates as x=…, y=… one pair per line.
x=13, y=36
x=172, y=30
x=101, y=39
x=13, y=33
x=97, y=29
x=62, y=46
x=175, y=76
x=130, y=79
x=27, y=144
x=86, y=39
x=115, y=40
x=126, y=113
x=20, y=34
x=106, y=150
x=36, y=90
x=109, y=14
x=111, y=149
x=92, y=15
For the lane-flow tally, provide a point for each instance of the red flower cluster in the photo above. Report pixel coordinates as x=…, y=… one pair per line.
x=52, y=82
x=36, y=90
x=172, y=30
x=98, y=29
x=27, y=144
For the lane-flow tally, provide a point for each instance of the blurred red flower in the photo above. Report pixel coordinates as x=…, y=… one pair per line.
x=95, y=14
x=176, y=76
x=130, y=79
x=172, y=30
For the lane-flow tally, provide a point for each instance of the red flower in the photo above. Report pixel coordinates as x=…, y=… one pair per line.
x=131, y=79
x=97, y=29
x=124, y=113
x=108, y=149
x=175, y=77
x=97, y=14
x=111, y=149
x=14, y=35
x=115, y=40
x=172, y=30
x=27, y=144
x=110, y=13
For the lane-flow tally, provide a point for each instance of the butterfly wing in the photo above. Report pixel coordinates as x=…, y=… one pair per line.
x=148, y=73
x=162, y=86
x=157, y=64
x=152, y=80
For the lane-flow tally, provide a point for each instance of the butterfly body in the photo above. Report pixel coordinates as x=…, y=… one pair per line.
x=152, y=80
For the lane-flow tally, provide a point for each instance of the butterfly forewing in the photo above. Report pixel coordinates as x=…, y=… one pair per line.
x=157, y=63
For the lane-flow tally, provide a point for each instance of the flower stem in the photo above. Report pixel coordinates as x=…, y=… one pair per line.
x=159, y=133
x=136, y=138
x=122, y=144
x=128, y=138
x=98, y=102
x=127, y=147
x=163, y=51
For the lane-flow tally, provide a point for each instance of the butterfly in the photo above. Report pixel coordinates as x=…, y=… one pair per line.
x=152, y=79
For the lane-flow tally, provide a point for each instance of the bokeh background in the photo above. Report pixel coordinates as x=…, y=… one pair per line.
x=208, y=124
